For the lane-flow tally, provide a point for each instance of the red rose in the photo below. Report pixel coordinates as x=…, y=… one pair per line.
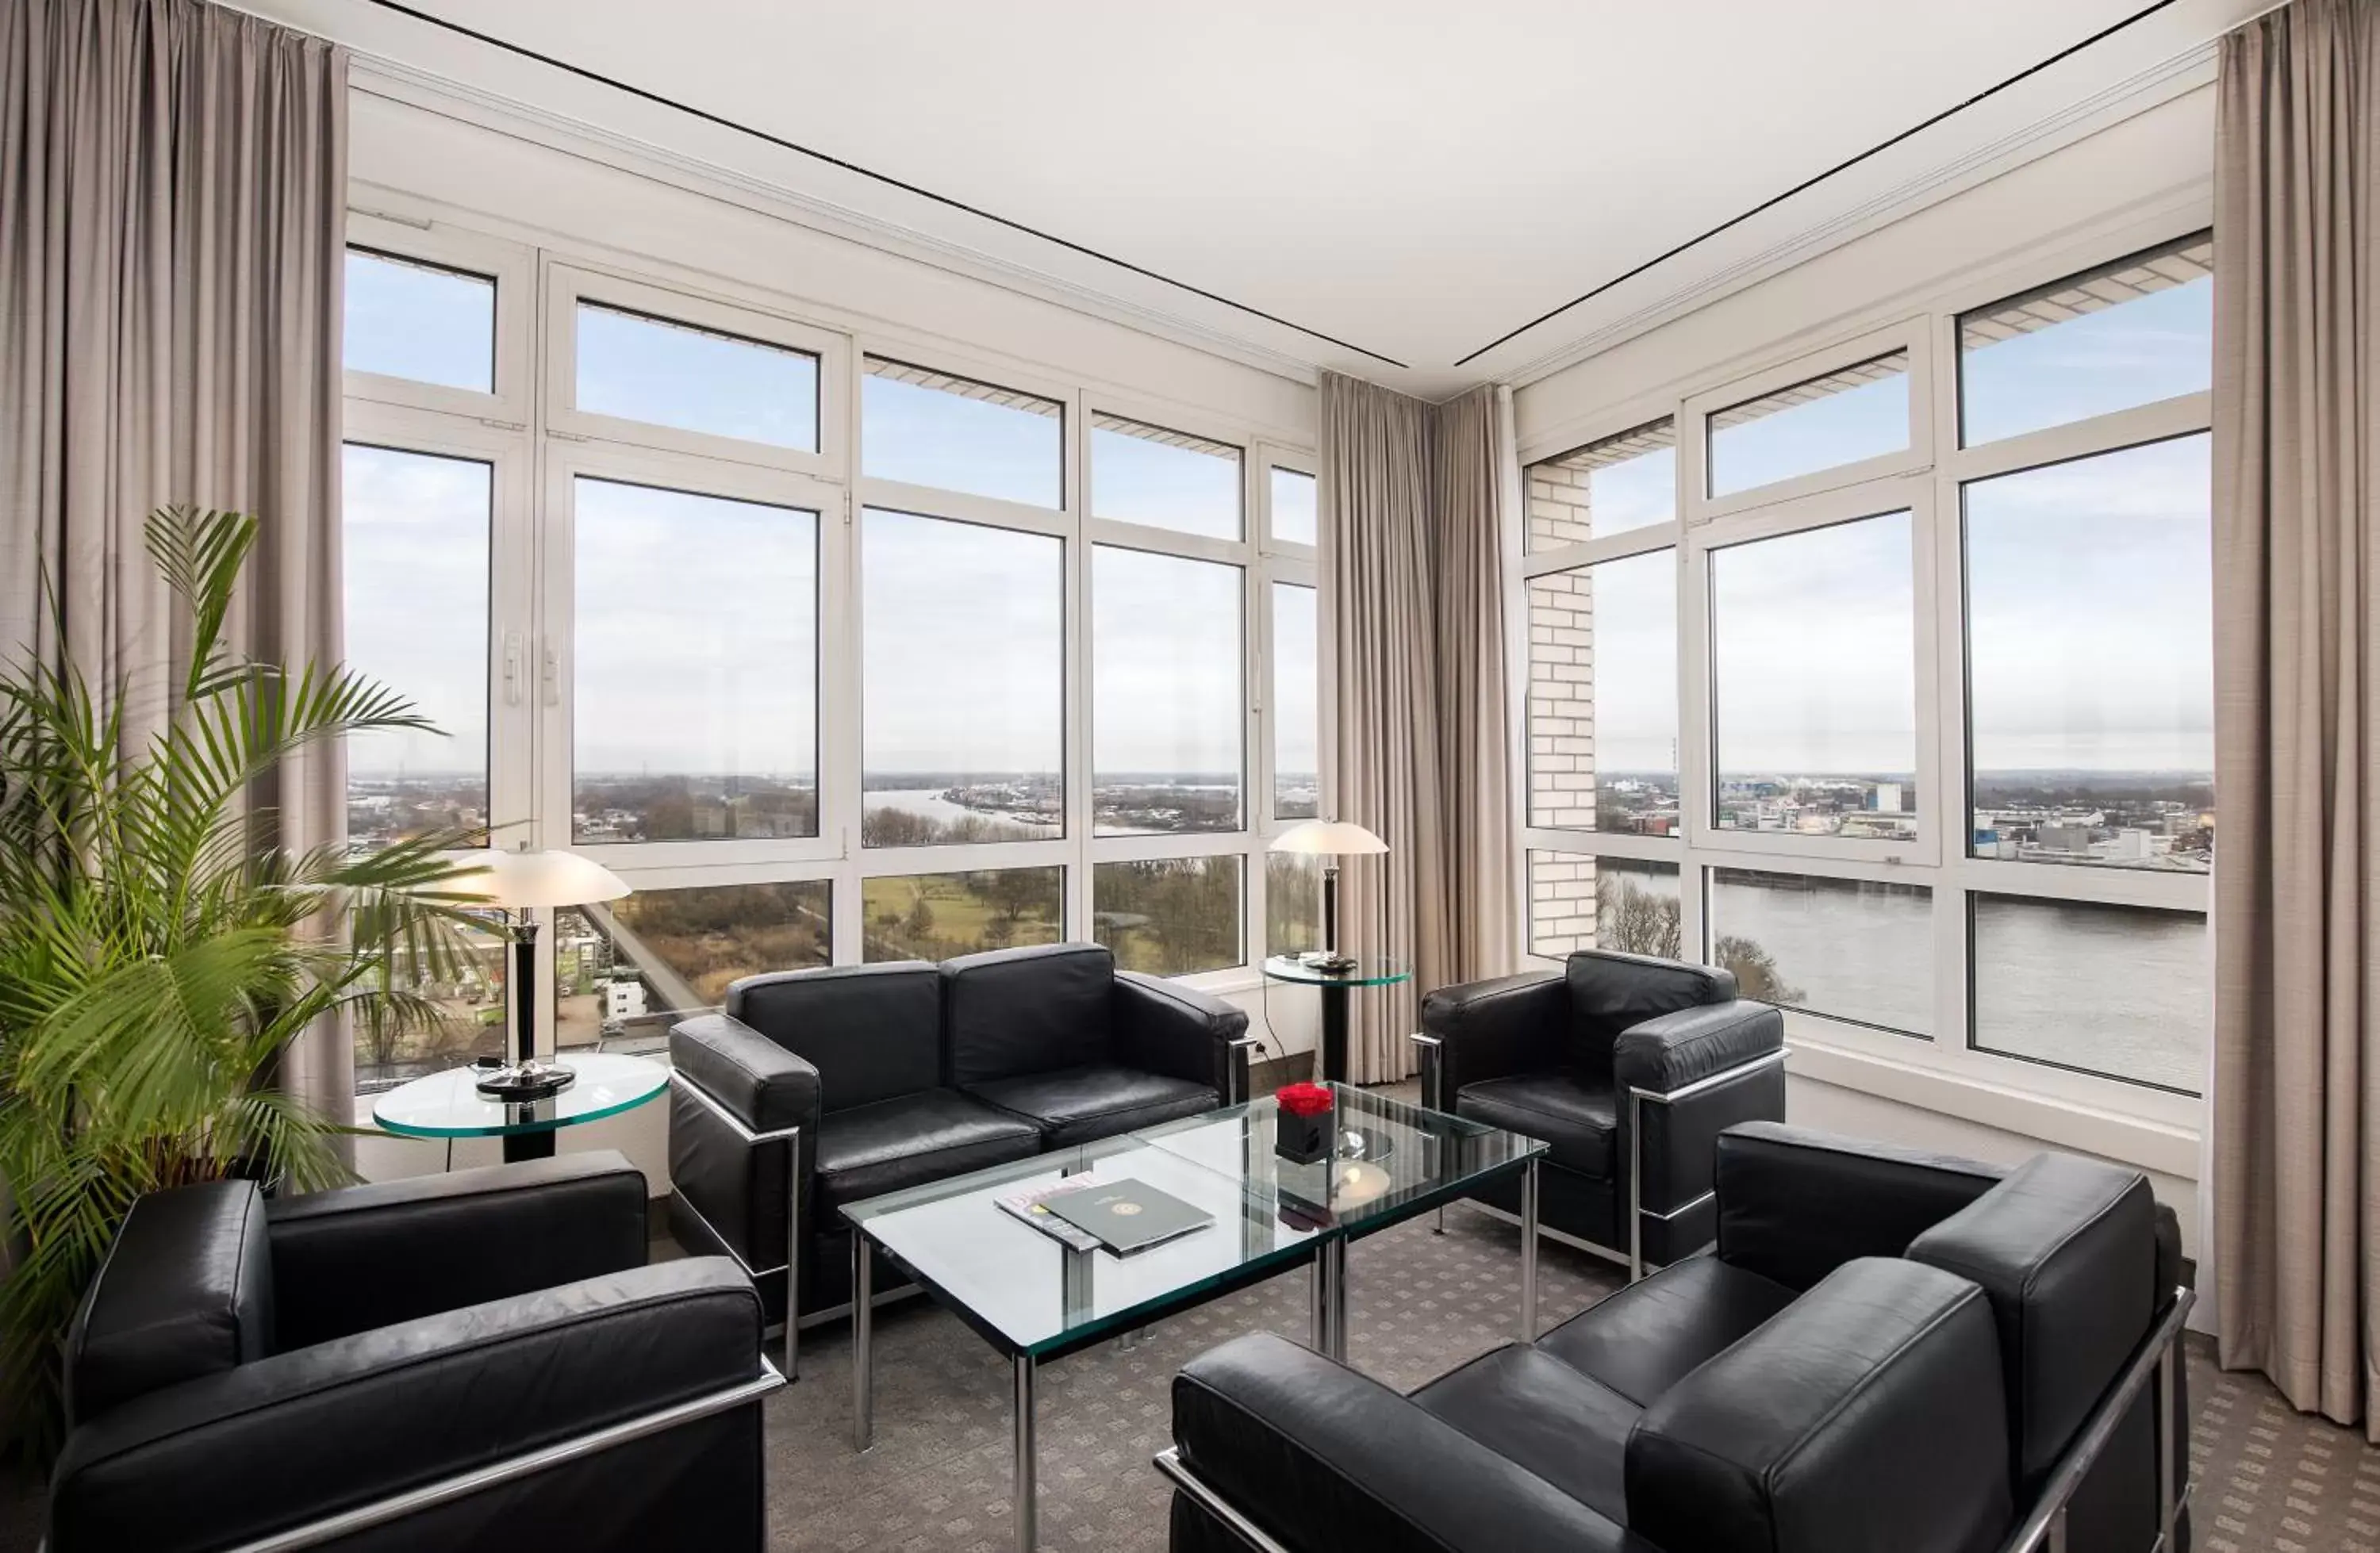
x=1303, y=1100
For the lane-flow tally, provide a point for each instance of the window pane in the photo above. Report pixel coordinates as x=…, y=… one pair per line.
x=1169, y=916
x=624, y=971
x=1814, y=683
x=416, y=536
x=932, y=429
x=1167, y=479
x=2091, y=661
x=1296, y=717
x=409, y=320
x=466, y=994
x=2132, y=334
x=1166, y=713
x=937, y=916
x=1623, y=482
x=2122, y=990
x=1861, y=412
x=673, y=374
x=696, y=709
x=1292, y=903
x=1579, y=901
x=1603, y=697
x=965, y=653
x=1851, y=949
x=1296, y=504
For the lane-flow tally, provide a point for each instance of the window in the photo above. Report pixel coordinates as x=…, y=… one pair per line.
x=1603, y=697
x=1852, y=948
x=624, y=971
x=2090, y=612
x=928, y=428
x=1813, y=682
x=964, y=715
x=1297, y=719
x=464, y=1017
x=425, y=521
x=937, y=916
x=1579, y=900
x=695, y=632
x=1166, y=713
x=1169, y=916
x=1295, y=507
x=2117, y=989
x=2134, y=332
x=1616, y=486
x=1846, y=416
x=637, y=368
x=419, y=321
x=1164, y=479
x=1292, y=903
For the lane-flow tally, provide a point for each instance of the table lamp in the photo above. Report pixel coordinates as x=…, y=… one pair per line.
x=523, y=883
x=1330, y=839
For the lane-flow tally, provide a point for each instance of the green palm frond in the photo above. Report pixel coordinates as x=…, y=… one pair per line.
x=160, y=948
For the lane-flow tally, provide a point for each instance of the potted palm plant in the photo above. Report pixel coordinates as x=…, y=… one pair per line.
x=160, y=948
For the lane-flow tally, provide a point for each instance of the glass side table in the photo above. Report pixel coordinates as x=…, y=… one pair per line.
x=450, y=1106
x=1371, y=970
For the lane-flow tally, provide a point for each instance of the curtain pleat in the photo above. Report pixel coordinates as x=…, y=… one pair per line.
x=172, y=212
x=2297, y=544
x=1412, y=500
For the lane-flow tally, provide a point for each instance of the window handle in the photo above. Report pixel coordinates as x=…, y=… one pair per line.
x=512, y=668
x=550, y=674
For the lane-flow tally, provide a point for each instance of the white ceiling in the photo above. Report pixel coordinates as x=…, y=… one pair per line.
x=1413, y=179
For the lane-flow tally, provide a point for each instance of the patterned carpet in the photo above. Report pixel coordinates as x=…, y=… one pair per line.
x=937, y=1481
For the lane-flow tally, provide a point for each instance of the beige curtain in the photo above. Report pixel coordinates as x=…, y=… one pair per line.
x=1412, y=501
x=173, y=199
x=2297, y=539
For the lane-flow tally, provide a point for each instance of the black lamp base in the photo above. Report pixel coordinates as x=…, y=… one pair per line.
x=532, y=1080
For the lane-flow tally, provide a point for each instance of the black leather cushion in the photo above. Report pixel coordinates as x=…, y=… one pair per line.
x=1671, y=1051
x=1863, y=1418
x=760, y=1082
x=1795, y=1205
x=364, y=1257
x=1572, y=1110
x=185, y=1291
x=869, y=1150
x=1027, y=1010
x=872, y=1031
x=1096, y=1102
x=1529, y=1407
x=1652, y=1334
x=1165, y=1027
x=2066, y=1248
x=1494, y=1029
x=1610, y=992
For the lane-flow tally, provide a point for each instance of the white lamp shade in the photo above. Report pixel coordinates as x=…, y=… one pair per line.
x=519, y=879
x=1329, y=838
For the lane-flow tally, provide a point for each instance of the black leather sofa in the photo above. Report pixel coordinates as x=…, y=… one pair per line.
x=243, y=1368
x=1628, y=1066
x=1888, y=1352
x=820, y=1087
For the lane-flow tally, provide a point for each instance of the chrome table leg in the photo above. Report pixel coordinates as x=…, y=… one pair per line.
x=1529, y=1253
x=863, y=1311
x=1025, y=1491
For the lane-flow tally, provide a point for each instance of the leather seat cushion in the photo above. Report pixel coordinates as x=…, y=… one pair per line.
x=1531, y=1409
x=1575, y=1113
x=931, y=1135
x=1098, y=1101
x=1652, y=1334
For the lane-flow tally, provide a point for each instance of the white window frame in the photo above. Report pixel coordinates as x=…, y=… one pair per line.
x=442, y=246
x=1910, y=336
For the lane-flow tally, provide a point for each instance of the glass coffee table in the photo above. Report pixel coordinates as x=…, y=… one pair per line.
x=1033, y=1299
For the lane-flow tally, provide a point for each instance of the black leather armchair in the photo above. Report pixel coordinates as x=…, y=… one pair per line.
x=1887, y=1352
x=1629, y=1066
x=476, y=1360
x=820, y=1087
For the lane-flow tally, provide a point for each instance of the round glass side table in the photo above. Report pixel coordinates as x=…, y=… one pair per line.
x=450, y=1106
x=1371, y=970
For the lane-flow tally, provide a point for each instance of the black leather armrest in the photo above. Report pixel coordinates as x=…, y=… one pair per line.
x=1164, y=1027
x=232, y=1457
x=765, y=1087
x=364, y=1257
x=1321, y=1458
x=1492, y=1029
x=1668, y=1053
x=1794, y=1204
x=1675, y=1050
x=1863, y=1418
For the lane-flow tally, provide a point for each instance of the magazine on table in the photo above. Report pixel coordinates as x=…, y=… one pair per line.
x=1027, y=1206
x=1127, y=1215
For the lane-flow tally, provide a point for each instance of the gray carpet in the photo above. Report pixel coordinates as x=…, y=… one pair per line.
x=937, y=1481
